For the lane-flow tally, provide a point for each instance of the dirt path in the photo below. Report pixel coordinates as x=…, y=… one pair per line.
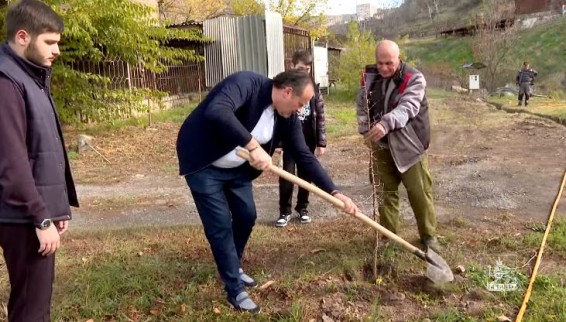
x=484, y=161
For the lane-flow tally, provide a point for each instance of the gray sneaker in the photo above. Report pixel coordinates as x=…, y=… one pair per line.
x=243, y=302
x=246, y=279
x=283, y=220
x=304, y=216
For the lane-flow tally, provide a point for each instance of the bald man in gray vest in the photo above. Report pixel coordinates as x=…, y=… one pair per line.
x=392, y=114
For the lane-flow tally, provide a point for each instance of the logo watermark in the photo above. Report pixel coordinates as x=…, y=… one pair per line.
x=504, y=279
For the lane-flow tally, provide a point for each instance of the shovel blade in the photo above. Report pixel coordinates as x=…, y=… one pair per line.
x=437, y=270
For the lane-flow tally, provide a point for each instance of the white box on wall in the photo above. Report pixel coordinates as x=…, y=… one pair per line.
x=474, y=82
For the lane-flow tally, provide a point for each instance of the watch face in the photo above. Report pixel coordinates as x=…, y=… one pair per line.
x=45, y=224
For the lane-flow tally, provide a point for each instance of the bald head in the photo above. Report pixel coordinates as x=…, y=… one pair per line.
x=387, y=47
x=387, y=56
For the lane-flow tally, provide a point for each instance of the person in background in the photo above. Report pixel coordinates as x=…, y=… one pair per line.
x=525, y=79
x=314, y=130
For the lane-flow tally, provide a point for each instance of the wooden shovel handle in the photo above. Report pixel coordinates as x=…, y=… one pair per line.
x=244, y=154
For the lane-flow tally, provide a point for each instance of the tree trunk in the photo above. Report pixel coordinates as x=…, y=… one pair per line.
x=430, y=10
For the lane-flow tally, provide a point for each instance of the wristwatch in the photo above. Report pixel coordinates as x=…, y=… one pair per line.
x=46, y=223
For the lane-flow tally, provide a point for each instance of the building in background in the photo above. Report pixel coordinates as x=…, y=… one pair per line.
x=366, y=11
x=535, y=6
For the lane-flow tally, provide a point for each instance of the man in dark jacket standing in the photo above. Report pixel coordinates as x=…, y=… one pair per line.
x=393, y=117
x=254, y=112
x=314, y=130
x=525, y=79
x=36, y=185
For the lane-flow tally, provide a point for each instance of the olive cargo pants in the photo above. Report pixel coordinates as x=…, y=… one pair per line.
x=417, y=181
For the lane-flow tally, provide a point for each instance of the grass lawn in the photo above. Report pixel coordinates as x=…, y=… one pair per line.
x=309, y=272
x=167, y=274
x=537, y=105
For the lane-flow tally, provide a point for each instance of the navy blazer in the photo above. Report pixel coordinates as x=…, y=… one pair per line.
x=225, y=119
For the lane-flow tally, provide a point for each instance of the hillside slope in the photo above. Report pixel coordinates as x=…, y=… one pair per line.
x=412, y=18
x=543, y=46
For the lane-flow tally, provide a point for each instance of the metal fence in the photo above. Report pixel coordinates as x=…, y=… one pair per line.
x=182, y=82
x=187, y=81
x=295, y=39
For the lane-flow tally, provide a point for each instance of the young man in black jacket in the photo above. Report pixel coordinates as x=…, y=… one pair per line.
x=314, y=130
x=254, y=112
x=36, y=185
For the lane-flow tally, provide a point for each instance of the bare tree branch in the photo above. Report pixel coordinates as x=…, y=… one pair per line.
x=494, y=39
x=306, y=13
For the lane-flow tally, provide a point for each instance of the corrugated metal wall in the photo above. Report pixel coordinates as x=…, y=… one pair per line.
x=253, y=43
x=275, y=44
x=222, y=55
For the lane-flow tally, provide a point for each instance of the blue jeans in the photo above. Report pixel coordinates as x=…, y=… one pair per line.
x=224, y=200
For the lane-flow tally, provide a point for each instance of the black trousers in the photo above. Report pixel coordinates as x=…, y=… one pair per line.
x=31, y=274
x=286, y=187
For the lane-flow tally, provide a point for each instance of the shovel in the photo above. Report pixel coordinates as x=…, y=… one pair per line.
x=437, y=269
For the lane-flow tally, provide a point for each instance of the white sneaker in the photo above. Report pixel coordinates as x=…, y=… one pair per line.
x=246, y=279
x=242, y=302
x=304, y=216
x=283, y=220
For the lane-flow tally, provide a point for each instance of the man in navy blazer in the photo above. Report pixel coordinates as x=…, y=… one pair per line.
x=254, y=112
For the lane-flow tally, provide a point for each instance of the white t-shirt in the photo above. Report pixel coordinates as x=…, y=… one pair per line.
x=262, y=132
x=304, y=112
